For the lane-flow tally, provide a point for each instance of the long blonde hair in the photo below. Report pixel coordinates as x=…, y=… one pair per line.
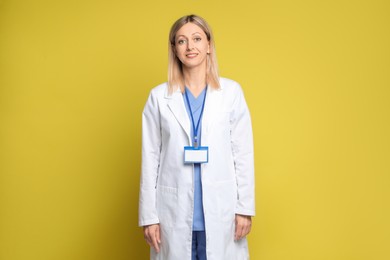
x=175, y=68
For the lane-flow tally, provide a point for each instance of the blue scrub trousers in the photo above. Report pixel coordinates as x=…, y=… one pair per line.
x=199, y=245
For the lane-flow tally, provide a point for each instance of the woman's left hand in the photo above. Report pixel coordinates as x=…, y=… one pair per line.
x=243, y=226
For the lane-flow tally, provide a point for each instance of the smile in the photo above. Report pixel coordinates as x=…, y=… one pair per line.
x=191, y=55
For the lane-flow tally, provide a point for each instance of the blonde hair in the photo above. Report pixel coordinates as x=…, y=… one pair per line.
x=175, y=68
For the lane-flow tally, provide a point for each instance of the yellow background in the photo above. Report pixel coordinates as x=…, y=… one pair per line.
x=74, y=77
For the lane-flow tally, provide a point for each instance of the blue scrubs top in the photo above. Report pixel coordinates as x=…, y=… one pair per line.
x=196, y=107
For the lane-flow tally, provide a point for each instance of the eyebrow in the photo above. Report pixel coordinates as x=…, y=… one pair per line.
x=191, y=34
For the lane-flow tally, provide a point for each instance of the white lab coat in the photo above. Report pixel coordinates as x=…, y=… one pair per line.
x=167, y=187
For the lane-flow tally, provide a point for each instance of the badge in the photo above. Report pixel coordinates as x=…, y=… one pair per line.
x=196, y=154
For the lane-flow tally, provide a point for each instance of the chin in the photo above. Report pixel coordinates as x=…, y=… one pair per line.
x=193, y=64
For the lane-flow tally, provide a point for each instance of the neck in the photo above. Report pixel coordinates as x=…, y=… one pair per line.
x=195, y=79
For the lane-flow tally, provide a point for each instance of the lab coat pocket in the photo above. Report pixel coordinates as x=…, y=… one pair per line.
x=166, y=205
x=227, y=198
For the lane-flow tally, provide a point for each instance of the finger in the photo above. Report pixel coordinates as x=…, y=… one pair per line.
x=236, y=229
x=149, y=242
x=239, y=230
x=249, y=226
x=147, y=237
x=158, y=235
x=146, y=234
x=155, y=245
x=245, y=230
x=149, y=234
x=154, y=241
x=240, y=233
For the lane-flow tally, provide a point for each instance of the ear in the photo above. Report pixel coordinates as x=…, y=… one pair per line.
x=173, y=48
x=208, y=48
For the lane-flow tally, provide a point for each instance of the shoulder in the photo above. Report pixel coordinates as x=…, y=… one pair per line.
x=229, y=85
x=156, y=96
x=160, y=90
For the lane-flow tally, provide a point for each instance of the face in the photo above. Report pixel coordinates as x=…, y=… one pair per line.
x=191, y=45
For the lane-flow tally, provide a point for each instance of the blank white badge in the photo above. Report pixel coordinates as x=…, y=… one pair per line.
x=196, y=155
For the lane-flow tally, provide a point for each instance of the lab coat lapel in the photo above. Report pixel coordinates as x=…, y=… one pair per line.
x=211, y=108
x=177, y=106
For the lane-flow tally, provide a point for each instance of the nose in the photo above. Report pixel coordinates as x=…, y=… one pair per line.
x=189, y=46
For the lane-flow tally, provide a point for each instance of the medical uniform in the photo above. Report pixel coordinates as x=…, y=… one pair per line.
x=167, y=191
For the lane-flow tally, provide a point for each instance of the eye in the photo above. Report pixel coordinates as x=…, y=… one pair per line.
x=181, y=42
x=197, y=39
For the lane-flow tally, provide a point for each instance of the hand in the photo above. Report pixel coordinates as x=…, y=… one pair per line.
x=243, y=226
x=152, y=236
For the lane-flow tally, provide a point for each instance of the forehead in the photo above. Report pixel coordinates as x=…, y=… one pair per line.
x=189, y=29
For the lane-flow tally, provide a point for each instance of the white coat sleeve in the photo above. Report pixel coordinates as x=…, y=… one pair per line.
x=242, y=146
x=151, y=148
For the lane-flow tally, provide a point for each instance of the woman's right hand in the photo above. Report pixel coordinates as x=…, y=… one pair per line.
x=152, y=236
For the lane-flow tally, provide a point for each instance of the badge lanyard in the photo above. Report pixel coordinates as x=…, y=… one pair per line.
x=196, y=127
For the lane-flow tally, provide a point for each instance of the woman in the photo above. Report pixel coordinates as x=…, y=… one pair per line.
x=197, y=182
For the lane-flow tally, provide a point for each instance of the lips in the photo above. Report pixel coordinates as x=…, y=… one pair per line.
x=191, y=55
